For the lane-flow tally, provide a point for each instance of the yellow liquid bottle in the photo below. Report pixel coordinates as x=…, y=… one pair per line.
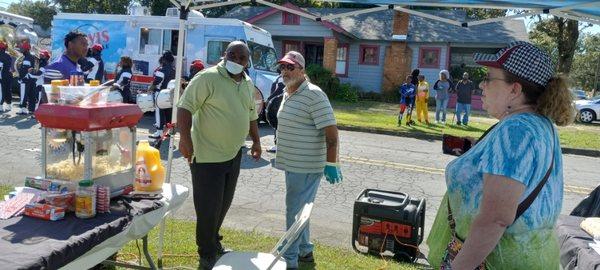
x=149, y=171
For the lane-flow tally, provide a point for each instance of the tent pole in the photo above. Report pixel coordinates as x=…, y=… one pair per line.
x=183, y=17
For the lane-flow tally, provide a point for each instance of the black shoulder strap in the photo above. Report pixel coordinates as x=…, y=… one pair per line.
x=524, y=205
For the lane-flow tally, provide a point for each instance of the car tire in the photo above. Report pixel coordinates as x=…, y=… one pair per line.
x=587, y=116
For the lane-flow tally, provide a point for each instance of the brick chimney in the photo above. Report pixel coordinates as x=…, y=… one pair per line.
x=398, y=56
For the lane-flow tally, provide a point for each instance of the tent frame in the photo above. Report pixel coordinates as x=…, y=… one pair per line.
x=185, y=6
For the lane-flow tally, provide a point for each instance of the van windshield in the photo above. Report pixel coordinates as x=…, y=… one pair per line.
x=263, y=57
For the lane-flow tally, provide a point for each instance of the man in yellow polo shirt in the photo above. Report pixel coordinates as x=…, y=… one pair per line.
x=215, y=114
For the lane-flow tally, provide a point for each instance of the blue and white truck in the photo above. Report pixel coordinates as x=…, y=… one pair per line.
x=143, y=38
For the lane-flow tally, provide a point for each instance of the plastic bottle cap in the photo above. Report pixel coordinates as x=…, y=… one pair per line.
x=86, y=183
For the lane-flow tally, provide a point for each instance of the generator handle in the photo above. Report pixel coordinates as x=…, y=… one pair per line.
x=421, y=207
x=403, y=203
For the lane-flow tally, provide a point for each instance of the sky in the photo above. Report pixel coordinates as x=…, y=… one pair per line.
x=528, y=22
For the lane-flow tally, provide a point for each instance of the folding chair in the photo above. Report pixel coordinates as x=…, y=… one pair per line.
x=266, y=261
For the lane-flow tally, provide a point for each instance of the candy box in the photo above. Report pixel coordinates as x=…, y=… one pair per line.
x=44, y=211
x=63, y=200
x=50, y=184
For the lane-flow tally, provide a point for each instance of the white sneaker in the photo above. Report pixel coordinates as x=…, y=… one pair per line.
x=7, y=107
x=443, y=122
x=437, y=122
x=21, y=111
x=272, y=149
x=156, y=134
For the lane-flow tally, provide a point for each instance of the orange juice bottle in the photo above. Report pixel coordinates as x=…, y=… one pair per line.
x=149, y=171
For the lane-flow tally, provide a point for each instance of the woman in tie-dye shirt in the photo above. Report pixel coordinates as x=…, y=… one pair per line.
x=487, y=183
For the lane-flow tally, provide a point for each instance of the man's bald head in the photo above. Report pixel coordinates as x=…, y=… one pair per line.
x=238, y=52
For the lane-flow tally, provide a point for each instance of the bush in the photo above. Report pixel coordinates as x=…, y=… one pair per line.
x=476, y=74
x=374, y=96
x=323, y=78
x=347, y=93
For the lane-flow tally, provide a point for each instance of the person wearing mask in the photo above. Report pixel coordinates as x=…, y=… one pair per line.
x=407, y=97
x=215, y=115
x=6, y=78
x=27, y=86
x=93, y=65
x=162, y=76
x=422, y=99
x=307, y=123
x=464, y=90
x=38, y=96
x=505, y=194
x=123, y=79
x=441, y=87
x=76, y=46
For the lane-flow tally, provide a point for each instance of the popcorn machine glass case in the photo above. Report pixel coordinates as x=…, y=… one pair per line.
x=92, y=142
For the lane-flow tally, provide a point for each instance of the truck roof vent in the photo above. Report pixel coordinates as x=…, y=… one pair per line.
x=172, y=12
x=137, y=10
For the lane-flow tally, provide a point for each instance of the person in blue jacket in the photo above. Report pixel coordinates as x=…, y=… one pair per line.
x=407, y=97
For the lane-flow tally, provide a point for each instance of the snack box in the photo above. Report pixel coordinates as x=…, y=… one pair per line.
x=44, y=211
x=50, y=184
x=62, y=200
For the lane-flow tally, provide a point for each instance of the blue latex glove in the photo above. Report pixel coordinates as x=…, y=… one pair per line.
x=333, y=173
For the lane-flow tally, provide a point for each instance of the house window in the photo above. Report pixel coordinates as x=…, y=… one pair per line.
x=341, y=60
x=429, y=57
x=215, y=51
x=290, y=19
x=369, y=55
x=291, y=45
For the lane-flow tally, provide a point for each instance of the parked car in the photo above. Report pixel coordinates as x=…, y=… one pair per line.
x=579, y=94
x=588, y=110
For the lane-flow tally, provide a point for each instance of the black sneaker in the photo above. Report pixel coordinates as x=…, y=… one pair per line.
x=308, y=258
x=222, y=250
x=207, y=263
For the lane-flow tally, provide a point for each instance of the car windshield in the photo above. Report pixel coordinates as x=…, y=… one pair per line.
x=263, y=57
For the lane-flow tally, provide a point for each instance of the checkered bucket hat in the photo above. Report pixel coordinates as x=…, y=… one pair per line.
x=522, y=59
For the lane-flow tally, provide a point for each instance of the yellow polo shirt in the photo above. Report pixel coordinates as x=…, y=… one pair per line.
x=221, y=113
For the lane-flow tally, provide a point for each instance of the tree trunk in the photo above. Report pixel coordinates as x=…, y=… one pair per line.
x=568, y=33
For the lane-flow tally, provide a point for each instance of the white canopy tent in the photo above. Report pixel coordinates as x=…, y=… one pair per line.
x=580, y=10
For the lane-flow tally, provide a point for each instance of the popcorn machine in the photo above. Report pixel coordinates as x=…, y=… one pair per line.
x=94, y=141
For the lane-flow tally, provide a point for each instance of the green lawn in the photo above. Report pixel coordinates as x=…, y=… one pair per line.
x=4, y=189
x=383, y=116
x=180, y=249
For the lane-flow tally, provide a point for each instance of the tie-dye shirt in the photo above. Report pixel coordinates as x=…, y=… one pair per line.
x=520, y=147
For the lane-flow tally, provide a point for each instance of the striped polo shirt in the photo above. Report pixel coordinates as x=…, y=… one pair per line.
x=300, y=136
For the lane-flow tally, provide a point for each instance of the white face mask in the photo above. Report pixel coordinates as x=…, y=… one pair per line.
x=233, y=67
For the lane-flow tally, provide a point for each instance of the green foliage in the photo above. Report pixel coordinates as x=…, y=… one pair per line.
x=157, y=7
x=485, y=13
x=323, y=78
x=347, y=93
x=558, y=37
x=41, y=12
x=586, y=65
x=476, y=74
x=96, y=6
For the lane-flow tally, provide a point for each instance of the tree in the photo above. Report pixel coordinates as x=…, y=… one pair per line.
x=41, y=11
x=96, y=6
x=586, y=63
x=485, y=13
x=559, y=37
x=157, y=7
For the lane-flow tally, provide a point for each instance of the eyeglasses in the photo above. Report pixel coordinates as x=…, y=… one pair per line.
x=289, y=67
x=487, y=80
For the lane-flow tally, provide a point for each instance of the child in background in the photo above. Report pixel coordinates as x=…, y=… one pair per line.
x=422, y=99
x=407, y=96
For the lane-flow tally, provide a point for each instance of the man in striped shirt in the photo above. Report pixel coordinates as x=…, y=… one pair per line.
x=307, y=147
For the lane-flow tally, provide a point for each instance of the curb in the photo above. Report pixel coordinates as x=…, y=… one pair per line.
x=432, y=137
